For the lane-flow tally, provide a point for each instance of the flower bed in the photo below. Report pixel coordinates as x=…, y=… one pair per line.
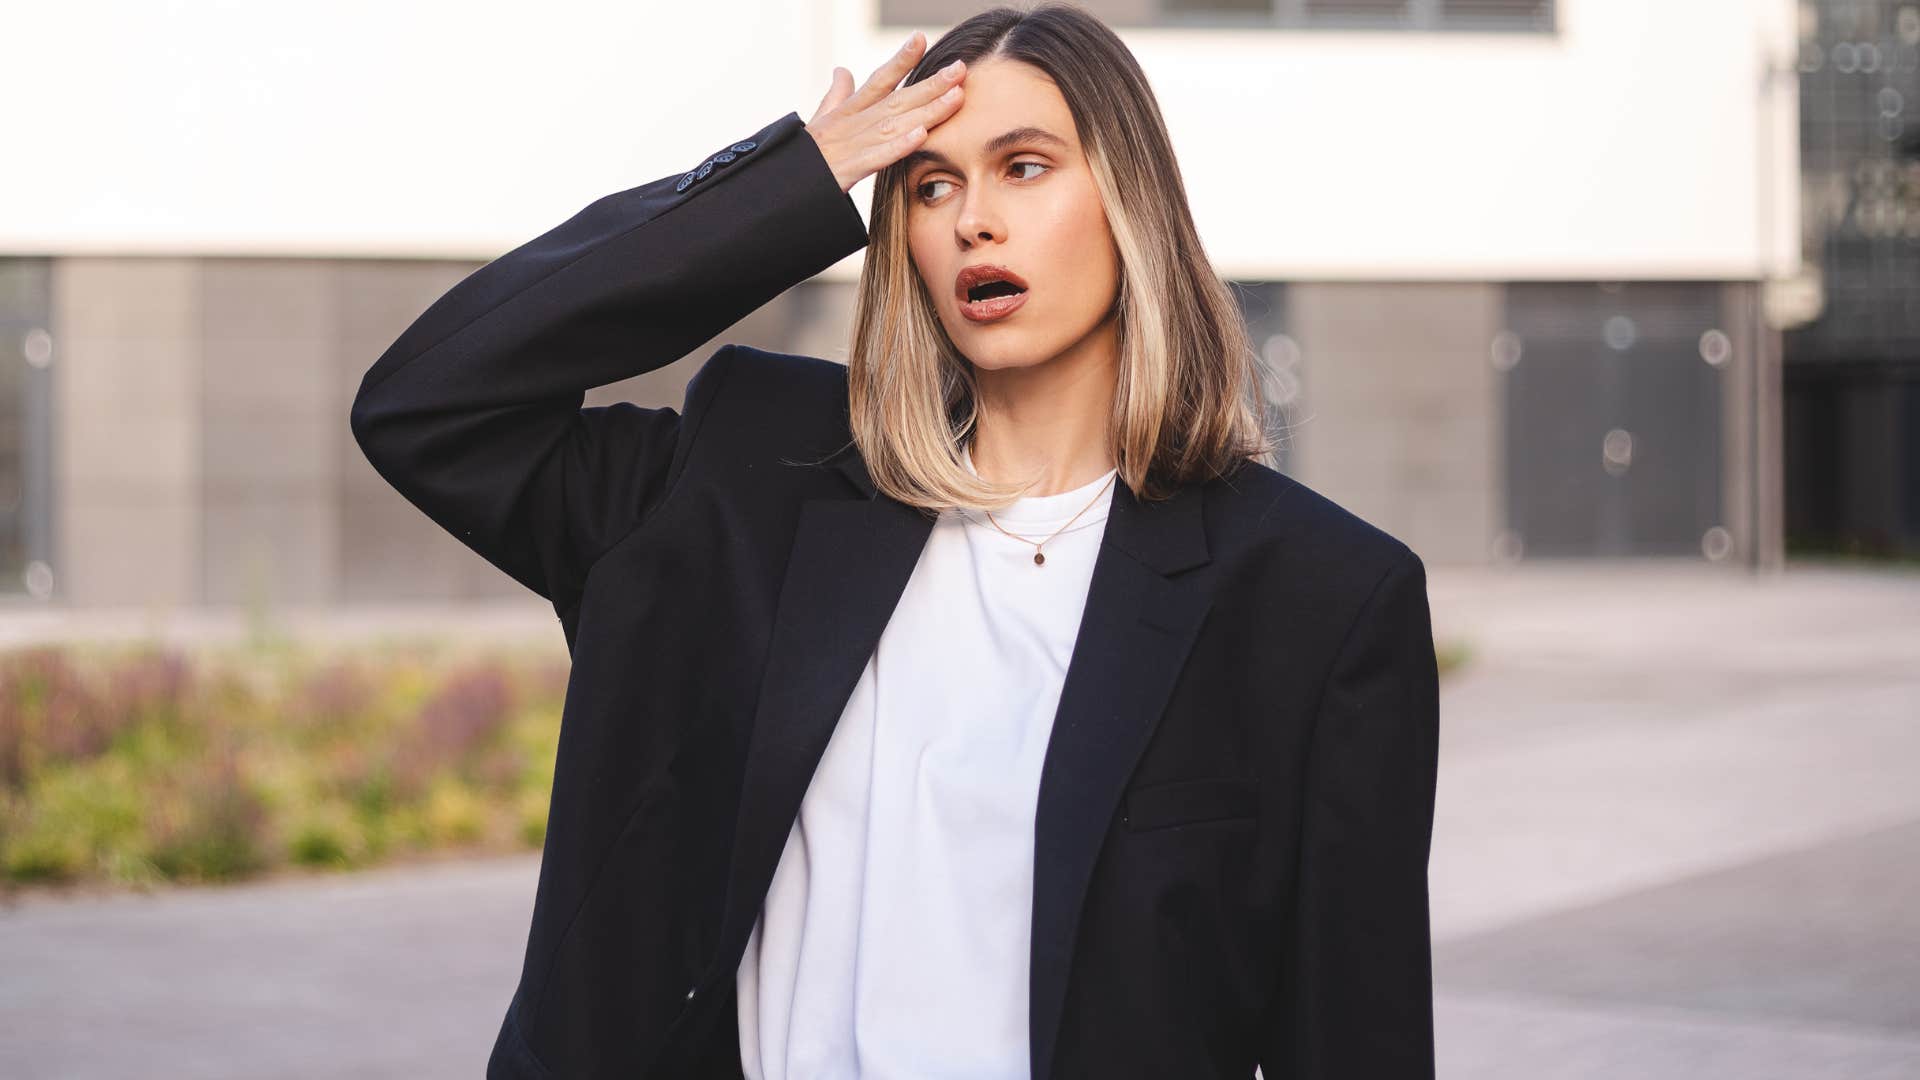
x=145, y=765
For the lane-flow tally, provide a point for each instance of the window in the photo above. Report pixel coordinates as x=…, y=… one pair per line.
x=1419, y=15
x=26, y=355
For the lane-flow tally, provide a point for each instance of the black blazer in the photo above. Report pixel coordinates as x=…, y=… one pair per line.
x=1236, y=803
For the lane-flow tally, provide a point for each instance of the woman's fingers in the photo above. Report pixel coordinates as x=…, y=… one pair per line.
x=838, y=90
x=928, y=89
x=863, y=131
x=898, y=135
x=889, y=74
x=927, y=102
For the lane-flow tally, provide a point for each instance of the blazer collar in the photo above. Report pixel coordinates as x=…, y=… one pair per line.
x=1168, y=536
x=851, y=559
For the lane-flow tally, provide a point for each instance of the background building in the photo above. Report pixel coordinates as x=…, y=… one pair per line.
x=1852, y=383
x=1519, y=268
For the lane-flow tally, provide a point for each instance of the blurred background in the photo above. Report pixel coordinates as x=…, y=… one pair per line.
x=1609, y=308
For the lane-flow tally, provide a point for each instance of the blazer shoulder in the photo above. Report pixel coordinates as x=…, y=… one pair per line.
x=1258, y=508
x=783, y=377
x=754, y=405
x=790, y=394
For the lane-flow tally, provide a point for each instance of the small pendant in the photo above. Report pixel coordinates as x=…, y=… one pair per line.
x=1039, y=559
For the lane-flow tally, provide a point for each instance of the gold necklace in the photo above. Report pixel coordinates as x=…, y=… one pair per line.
x=1040, y=559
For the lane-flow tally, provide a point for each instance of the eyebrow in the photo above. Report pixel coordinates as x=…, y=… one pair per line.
x=1028, y=134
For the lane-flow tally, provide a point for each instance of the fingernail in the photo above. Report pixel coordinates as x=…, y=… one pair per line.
x=951, y=69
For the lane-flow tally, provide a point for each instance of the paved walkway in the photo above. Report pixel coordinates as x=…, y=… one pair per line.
x=1678, y=827
x=1678, y=835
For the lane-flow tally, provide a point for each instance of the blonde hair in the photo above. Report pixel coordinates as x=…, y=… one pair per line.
x=1188, y=403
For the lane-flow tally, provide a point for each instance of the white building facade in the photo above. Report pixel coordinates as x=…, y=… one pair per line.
x=1518, y=267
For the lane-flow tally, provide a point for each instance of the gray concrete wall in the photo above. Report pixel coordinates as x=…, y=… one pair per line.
x=203, y=455
x=127, y=468
x=270, y=421
x=1398, y=418
x=202, y=452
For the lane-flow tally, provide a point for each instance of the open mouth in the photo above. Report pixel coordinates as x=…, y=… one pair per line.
x=987, y=293
x=992, y=289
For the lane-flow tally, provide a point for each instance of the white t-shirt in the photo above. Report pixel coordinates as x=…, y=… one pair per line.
x=893, y=941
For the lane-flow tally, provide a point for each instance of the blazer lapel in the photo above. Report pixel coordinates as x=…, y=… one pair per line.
x=850, y=562
x=1140, y=622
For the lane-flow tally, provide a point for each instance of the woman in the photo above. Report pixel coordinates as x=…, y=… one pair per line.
x=982, y=707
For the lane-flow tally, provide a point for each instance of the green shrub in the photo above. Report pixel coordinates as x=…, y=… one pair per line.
x=146, y=765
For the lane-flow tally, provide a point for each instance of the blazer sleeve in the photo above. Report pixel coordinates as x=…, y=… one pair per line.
x=1356, y=987
x=474, y=413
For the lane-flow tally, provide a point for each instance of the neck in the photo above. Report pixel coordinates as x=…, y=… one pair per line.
x=1048, y=422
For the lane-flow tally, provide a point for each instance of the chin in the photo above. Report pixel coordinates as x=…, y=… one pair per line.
x=998, y=347
x=1004, y=356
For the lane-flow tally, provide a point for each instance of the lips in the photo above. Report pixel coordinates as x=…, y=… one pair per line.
x=987, y=292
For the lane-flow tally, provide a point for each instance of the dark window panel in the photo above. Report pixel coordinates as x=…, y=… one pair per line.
x=1413, y=15
x=27, y=353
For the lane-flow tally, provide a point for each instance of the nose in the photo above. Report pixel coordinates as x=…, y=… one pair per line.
x=978, y=222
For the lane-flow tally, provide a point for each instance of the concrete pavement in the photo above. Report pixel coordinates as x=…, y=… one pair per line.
x=1677, y=835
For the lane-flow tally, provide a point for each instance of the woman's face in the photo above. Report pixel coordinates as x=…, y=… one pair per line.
x=1028, y=205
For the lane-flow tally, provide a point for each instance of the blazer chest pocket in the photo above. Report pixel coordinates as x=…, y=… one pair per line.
x=1189, y=802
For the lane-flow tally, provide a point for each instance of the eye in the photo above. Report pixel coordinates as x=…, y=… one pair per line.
x=920, y=189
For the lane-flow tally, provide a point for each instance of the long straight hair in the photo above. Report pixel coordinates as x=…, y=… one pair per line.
x=1188, y=403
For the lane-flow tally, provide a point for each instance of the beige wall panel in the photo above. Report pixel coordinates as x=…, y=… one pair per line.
x=1398, y=416
x=269, y=404
x=126, y=432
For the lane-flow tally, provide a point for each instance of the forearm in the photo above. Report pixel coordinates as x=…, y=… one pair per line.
x=474, y=412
